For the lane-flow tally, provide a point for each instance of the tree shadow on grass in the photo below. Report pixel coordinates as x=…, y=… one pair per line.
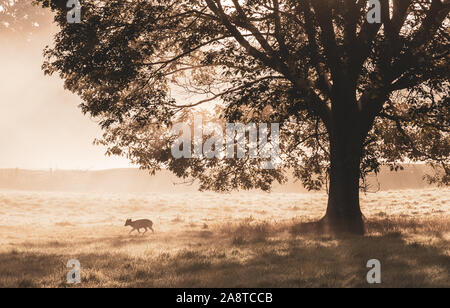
x=329, y=262
x=301, y=261
x=27, y=270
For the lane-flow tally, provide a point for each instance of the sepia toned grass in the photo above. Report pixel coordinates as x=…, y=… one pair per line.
x=248, y=241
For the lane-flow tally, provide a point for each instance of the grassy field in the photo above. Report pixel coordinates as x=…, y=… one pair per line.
x=211, y=240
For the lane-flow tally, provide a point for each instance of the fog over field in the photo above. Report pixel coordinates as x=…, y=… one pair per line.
x=177, y=211
x=212, y=240
x=215, y=240
x=134, y=180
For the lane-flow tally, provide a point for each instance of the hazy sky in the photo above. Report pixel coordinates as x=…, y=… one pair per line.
x=41, y=126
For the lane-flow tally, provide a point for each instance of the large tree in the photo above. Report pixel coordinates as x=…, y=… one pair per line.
x=350, y=95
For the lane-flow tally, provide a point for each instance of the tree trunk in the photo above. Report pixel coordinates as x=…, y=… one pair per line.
x=344, y=212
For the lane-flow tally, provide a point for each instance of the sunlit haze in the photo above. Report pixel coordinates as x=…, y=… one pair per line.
x=40, y=117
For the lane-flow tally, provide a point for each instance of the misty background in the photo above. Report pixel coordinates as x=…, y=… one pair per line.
x=41, y=126
x=43, y=133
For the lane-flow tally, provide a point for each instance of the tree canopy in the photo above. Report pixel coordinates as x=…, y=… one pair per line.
x=278, y=60
x=350, y=95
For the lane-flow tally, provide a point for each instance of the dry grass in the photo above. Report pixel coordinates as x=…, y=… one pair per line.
x=252, y=250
